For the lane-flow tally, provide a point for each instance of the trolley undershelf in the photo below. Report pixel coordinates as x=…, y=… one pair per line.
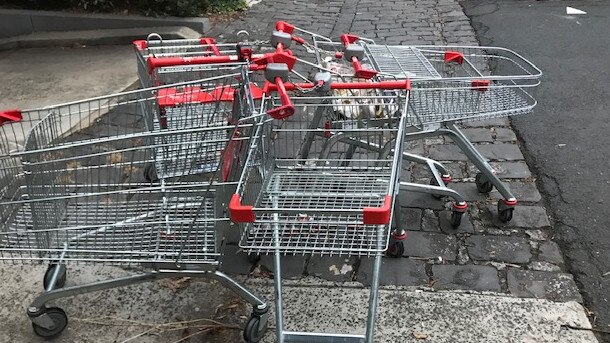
x=111, y=233
x=319, y=231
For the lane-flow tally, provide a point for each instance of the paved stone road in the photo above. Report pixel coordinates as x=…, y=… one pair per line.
x=518, y=258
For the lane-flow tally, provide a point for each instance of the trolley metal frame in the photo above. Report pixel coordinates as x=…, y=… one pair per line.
x=285, y=202
x=69, y=197
x=451, y=85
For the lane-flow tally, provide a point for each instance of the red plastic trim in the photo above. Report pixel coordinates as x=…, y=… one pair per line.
x=480, y=85
x=299, y=40
x=230, y=157
x=389, y=85
x=211, y=44
x=454, y=56
x=140, y=44
x=284, y=27
x=509, y=202
x=378, y=215
x=10, y=116
x=287, y=108
x=280, y=56
x=240, y=213
x=360, y=72
x=347, y=39
x=400, y=237
x=460, y=208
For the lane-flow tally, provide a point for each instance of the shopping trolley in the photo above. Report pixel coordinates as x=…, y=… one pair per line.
x=320, y=183
x=451, y=85
x=162, y=61
x=154, y=48
x=76, y=194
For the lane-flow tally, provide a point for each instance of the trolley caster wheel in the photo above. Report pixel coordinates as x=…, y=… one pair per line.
x=60, y=321
x=396, y=250
x=254, y=258
x=255, y=329
x=150, y=173
x=456, y=218
x=505, y=214
x=433, y=183
x=61, y=277
x=483, y=184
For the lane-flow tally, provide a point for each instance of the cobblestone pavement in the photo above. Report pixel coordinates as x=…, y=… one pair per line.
x=518, y=258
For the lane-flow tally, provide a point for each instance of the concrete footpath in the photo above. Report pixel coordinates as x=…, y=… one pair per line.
x=484, y=282
x=33, y=78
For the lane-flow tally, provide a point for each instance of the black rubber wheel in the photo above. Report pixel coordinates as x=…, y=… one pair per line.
x=150, y=173
x=61, y=277
x=254, y=258
x=397, y=249
x=433, y=183
x=60, y=319
x=456, y=218
x=255, y=329
x=483, y=183
x=505, y=214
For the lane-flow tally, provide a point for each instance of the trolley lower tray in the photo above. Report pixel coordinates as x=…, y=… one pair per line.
x=116, y=233
x=316, y=230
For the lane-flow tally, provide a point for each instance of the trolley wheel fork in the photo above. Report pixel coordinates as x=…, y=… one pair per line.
x=396, y=247
x=483, y=183
x=506, y=209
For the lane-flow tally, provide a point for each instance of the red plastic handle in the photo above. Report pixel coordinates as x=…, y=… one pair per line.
x=211, y=45
x=287, y=108
x=158, y=62
x=348, y=39
x=284, y=27
x=10, y=116
x=140, y=44
x=387, y=85
x=360, y=72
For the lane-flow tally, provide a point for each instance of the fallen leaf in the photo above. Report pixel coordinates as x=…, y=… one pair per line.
x=223, y=307
x=420, y=335
x=175, y=284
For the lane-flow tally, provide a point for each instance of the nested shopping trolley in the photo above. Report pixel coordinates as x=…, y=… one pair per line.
x=162, y=61
x=73, y=191
x=320, y=183
x=451, y=85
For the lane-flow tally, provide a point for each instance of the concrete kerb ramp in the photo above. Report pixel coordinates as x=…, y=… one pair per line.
x=101, y=61
x=24, y=22
x=422, y=315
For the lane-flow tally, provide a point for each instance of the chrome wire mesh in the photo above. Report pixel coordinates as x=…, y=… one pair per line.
x=400, y=61
x=82, y=191
x=436, y=102
x=309, y=177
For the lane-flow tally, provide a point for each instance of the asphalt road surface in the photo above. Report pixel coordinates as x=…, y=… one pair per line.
x=567, y=138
